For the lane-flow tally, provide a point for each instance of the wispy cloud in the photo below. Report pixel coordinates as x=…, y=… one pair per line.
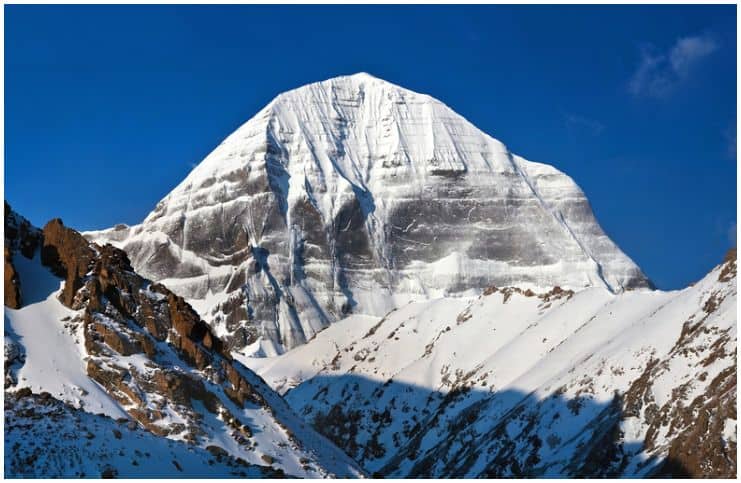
x=575, y=122
x=729, y=135
x=732, y=230
x=659, y=73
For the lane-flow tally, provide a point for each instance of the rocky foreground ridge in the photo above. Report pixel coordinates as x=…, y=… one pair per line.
x=143, y=356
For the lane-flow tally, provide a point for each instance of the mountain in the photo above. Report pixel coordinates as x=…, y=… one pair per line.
x=356, y=196
x=359, y=282
x=523, y=383
x=110, y=374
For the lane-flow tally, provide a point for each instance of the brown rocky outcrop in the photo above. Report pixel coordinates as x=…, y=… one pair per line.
x=232, y=312
x=21, y=239
x=190, y=334
x=125, y=343
x=12, y=282
x=68, y=255
x=20, y=235
x=698, y=450
x=107, y=277
x=728, y=272
x=125, y=314
x=241, y=390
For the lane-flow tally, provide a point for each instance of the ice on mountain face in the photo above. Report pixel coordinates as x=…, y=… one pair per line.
x=352, y=194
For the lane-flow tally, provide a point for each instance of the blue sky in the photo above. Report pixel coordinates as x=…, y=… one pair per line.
x=107, y=108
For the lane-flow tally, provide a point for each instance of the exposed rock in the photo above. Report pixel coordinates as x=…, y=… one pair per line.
x=20, y=235
x=14, y=358
x=68, y=255
x=12, y=282
x=108, y=278
x=153, y=355
x=21, y=239
x=729, y=266
x=699, y=449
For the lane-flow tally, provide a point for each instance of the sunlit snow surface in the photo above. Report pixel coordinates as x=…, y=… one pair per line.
x=55, y=353
x=53, y=359
x=567, y=358
x=356, y=194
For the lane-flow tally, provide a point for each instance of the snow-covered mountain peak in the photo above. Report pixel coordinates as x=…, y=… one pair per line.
x=357, y=195
x=358, y=82
x=356, y=131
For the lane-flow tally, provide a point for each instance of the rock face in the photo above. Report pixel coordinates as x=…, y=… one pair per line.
x=68, y=255
x=21, y=239
x=152, y=359
x=521, y=383
x=12, y=283
x=354, y=195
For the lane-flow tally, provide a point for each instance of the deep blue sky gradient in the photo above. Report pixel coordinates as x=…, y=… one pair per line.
x=107, y=108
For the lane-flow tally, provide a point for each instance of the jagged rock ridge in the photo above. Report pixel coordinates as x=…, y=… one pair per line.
x=21, y=238
x=520, y=383
x=355, y=195
x=101, y=338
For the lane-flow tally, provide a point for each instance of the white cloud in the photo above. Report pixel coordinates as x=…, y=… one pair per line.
x=659, y=73
x=576, y=122
x=689, y=50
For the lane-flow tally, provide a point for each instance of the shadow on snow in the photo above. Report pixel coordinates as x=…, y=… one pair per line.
x=395, y=429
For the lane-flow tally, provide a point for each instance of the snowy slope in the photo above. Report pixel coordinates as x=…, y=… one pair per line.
x=55, y=361
x=354, y=195
x=520, y=383
x=127, y=349
x=75, y=444
x=54, y=352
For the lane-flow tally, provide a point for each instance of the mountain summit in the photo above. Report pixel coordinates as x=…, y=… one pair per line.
x=355, y=195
